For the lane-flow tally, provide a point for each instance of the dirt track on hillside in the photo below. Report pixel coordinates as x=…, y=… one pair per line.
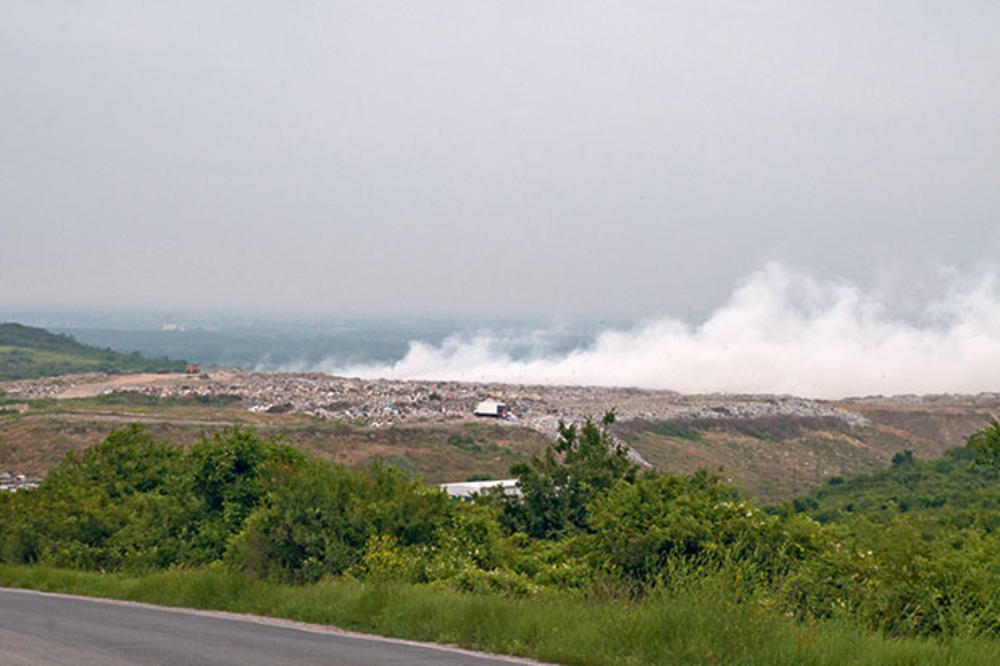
x=88, y=387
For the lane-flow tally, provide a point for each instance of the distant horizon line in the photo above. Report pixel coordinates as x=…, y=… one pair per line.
x=198, y=316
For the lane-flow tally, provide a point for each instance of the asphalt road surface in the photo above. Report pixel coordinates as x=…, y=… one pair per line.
x=38, y=628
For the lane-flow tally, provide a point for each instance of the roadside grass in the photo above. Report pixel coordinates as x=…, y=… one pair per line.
x=698, y=622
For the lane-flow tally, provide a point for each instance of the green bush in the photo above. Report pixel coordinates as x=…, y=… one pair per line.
x=639, y=528
x=557, y=486
x=911, y=551
x=319, y=520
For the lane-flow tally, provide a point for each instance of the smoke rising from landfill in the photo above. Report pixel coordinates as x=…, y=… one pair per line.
x=779, y=332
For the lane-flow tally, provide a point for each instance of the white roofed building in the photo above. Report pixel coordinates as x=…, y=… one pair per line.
x=491, y=408
x=466, y=490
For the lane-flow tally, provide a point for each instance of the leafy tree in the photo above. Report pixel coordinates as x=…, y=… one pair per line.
x=641, y=528
x=319, y=520
x=910, y=550
x=133, y=502
x=72, y=520
x=986, y=444
x=557, y=487
x=903, y=458
x=230, y=476
x=128, y=461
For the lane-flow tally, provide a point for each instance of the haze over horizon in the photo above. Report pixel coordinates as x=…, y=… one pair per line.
x=646, y=163
x=490, y=158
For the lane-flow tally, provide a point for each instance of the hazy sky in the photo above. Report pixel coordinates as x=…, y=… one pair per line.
x=633, y=158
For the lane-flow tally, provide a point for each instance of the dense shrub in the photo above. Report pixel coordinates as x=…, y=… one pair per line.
x=641, y=527
x=557, y=486
x=319, y=520
x=912, y=550
x=132, y=502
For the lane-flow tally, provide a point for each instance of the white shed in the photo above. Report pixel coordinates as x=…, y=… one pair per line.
x=468, y=489
x=490, y=408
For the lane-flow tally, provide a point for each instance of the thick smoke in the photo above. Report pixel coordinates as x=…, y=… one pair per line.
x=779, y=332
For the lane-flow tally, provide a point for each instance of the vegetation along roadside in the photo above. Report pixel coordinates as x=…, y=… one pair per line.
x=594, y=562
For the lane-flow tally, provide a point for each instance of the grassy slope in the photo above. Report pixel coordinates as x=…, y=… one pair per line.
x=27, y=352
x=779, y=458
x=932, y=487
x=770, y=467
x=699, y=624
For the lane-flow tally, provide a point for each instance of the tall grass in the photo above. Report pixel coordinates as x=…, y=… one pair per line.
x=696, y=622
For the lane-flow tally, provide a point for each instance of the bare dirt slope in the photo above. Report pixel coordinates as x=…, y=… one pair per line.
x=776, y=457
x=775, y=446
x=88, y=386
x=34, y=442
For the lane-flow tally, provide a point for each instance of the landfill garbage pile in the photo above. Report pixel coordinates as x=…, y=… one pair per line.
x=382, y=402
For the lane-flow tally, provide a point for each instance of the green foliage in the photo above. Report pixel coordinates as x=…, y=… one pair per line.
x=27, y=352
x=557, y=487
x=73, y=520
x=911, y=551
x=19, y=335
x=641, y=528
x=137, y=399
x=677, y=429
x=230, y=475
x=128, y=399
x=903, y=458
x=320, y=520
x=465, y=443
x=951, y=482
x=915, y=549
x=986, y=445
x=132, y=502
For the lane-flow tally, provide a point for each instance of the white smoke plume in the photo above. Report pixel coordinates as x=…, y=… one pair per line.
x=779, y=332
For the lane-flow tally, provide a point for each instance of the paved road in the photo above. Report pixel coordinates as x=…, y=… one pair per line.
x=38, y=628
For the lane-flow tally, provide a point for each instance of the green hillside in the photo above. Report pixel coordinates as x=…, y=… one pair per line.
x=27, y=352
x=952, y=488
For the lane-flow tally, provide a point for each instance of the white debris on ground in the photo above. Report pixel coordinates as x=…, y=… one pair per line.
x=376, y=402
x=11, y=482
